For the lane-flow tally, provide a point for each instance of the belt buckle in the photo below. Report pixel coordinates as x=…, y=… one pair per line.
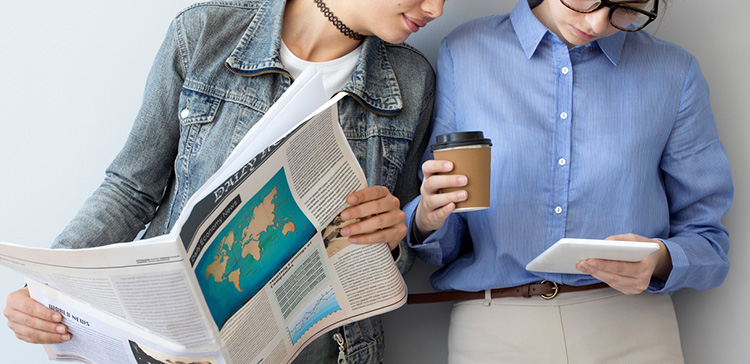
x=555, y=290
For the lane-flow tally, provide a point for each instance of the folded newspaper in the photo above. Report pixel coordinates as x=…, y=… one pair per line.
x=254, y=269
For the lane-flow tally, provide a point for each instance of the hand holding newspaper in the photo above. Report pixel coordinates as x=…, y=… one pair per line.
x=254, y=269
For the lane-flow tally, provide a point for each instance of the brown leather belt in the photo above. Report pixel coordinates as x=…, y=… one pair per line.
x=546, y=289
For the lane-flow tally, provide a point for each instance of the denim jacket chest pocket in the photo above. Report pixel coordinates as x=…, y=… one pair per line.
x=197, y=108
x=197, y=113
x=210, y=129
x=379, y=143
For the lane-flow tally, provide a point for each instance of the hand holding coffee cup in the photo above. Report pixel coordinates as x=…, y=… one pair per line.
x=470, y=154
x=458, y=179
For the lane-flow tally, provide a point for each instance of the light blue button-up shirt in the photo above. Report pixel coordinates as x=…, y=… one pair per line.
x=610, y=138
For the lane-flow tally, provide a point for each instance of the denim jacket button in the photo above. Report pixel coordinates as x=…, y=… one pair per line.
x=185, y=113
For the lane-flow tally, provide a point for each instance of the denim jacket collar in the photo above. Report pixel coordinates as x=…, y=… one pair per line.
x=373, y=83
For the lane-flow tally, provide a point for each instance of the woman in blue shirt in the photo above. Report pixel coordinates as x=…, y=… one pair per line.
x=220, y=67
x=599, y=131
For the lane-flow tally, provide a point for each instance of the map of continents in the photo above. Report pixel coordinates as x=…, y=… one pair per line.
x=264, y=234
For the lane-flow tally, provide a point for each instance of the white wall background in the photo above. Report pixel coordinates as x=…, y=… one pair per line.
x=71, y=79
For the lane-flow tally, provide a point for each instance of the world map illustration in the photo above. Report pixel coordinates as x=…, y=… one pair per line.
x=264, y=234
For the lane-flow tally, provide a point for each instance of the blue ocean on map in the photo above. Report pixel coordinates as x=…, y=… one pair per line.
x=264, y=234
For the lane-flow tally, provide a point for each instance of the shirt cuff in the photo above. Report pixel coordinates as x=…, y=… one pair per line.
x=680, y=265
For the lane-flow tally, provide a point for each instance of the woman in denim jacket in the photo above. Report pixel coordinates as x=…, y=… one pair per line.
x=220, y=68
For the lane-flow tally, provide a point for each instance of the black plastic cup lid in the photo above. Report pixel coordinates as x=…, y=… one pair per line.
x=460, y=139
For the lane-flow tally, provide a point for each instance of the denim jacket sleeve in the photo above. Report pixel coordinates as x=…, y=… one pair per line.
x=135, y=181
x=408, y=183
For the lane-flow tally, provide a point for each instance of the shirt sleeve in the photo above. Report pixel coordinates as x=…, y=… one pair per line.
x=443, y=245
x=699, y=188
x=135, y=181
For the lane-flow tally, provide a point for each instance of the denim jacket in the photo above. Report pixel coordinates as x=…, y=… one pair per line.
x=220, y=60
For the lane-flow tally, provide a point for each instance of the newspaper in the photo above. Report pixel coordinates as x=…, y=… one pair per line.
x=254, y=269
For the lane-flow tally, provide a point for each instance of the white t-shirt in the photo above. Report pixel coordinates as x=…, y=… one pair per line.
x=335, y=72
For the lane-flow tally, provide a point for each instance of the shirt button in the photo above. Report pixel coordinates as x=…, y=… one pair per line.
x=185, y=113
x=564, y=116
x=561, y=161
x=565, y=70
x=558, y=210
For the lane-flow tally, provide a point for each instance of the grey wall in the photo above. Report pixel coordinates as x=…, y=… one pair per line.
x=71, y=79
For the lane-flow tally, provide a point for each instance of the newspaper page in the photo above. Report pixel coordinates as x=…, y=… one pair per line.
x=255, y=271
x=147, y=283
x=268, y=257
x=102, y=338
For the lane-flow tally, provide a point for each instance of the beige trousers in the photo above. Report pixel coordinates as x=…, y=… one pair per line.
x=597, y=326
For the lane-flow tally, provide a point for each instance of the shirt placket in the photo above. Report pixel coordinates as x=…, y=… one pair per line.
x=559, y=160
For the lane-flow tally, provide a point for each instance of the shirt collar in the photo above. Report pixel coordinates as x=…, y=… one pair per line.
x=612, y=46
x=530, y=32
x=258, y=52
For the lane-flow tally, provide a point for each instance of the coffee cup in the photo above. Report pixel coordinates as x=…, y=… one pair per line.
x=469, y=152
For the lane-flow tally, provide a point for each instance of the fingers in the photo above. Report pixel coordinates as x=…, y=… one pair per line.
x=434, y=198
x=35, y=333
x=432, y=167
x=626, y=277
x=659, y=262
x=369, y=201
x=32, y=322
x=630, y=237
x=382, y=218
x=385, y=227
x=440, y=193
x=434, y=182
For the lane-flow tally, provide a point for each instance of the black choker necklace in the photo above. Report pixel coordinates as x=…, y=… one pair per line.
x=337, y=23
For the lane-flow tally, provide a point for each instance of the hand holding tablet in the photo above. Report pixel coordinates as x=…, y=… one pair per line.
x=562, y=256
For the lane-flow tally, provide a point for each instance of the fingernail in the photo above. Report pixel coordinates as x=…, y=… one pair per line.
x=447, y=165
x=353, y=240
x=345, y=231
x=60, y=329
x=345, y=215
x=66, y=337
x=462, y=195
x=56, y=317
x=352, y=200
x=462, y=180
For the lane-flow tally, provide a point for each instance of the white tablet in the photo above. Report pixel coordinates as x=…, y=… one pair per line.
x=562, y=256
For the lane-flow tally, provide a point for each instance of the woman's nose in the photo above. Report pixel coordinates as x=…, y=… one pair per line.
x=433, y=8
x=599, y=20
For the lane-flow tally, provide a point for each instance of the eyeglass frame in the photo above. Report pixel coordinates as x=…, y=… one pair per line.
x=613, y=6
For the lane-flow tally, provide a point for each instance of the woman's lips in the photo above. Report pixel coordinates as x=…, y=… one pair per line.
x=413, y=24
x=582, y=35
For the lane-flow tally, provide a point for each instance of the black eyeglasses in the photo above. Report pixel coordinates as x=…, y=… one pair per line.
x=621, y=16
